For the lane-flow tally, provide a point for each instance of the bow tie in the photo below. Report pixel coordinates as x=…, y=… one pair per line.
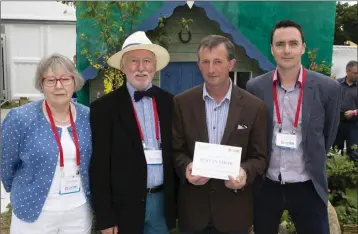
x=138, y=95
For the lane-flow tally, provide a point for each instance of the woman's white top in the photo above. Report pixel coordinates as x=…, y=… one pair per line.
x=55, y=201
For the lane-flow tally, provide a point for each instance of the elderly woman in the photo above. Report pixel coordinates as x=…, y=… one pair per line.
x=46, y=148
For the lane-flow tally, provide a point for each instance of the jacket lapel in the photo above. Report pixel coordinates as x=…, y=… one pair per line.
x=163, y=119
x=268, y=99
x=125, y=114
x=198, y=109
x=308, y=94
x=234, y=113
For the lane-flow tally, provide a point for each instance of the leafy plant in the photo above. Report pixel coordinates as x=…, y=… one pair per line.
x=341, y=172
x=184, y=24
x=347, y=214
x=115, y=21
x=321, y=67
x=342, y=175
x=160, y=35
x=287, y=222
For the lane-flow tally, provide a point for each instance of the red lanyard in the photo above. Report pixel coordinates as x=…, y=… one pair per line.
x=156, y=120
x=299, y=103
x=54, y=130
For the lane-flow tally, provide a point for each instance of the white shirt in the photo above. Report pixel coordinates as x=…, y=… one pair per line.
x=55, y=201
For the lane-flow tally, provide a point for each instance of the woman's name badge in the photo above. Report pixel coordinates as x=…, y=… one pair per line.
x=153, y=157
x=71, y=184
x=286, y=140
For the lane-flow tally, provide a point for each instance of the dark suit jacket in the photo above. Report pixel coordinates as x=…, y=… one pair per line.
x=229, y=211
x=118, y=170
x=320, y=120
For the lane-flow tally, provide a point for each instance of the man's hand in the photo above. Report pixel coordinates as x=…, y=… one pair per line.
x=195, y=180
x=237, y=183
x=349, y=114
x=112, y=230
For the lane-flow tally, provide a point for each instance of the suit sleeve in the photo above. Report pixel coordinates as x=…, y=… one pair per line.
x=332, y=116
x=180, y=149
x=99, y=171
x=257, y=149
x=249, y=87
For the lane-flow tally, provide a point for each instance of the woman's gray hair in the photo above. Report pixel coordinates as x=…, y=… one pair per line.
x=56, y=62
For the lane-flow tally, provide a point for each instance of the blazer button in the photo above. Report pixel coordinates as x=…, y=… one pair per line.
x=213, y=190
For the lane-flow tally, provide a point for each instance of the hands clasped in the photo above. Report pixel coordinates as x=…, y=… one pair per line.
x=233, y=183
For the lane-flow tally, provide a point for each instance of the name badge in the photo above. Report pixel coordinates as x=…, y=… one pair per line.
x=286, y=140
x=70, y=184
x=153, y=157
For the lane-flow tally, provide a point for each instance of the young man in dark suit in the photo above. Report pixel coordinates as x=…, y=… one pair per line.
x=303, y=110
x=131, y=173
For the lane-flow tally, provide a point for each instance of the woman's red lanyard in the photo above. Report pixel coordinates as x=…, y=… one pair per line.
x=156, y=121
x=58, y=140
x=299, y=103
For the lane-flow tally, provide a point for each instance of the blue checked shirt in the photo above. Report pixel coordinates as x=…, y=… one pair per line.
x=144, y=109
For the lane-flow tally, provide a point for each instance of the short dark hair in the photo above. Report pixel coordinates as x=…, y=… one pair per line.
x=287, y=24
x=213, y=41
x=351, y=64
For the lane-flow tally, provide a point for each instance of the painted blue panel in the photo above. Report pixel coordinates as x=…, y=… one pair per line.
x=171, y=78
x=179, y=77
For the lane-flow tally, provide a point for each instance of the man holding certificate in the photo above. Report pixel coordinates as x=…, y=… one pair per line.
x=218, y=155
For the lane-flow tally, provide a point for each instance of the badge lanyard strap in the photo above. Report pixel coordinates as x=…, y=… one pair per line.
x=54, y=130
x=156, y=120
x=299, y=103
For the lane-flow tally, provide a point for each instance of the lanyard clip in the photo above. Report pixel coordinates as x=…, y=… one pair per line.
x=62, y=172
x=280, y=128
x=77, y=171
x=159, y=144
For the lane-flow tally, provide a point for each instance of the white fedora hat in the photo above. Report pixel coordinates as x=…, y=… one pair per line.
x=140, y=41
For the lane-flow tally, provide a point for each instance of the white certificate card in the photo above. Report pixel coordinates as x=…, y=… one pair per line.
x=216, y=161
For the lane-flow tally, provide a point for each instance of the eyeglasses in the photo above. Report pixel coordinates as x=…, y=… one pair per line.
x=51, y=81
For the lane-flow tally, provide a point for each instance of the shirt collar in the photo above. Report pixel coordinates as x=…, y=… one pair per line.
x=131, y=88
x=344, y=80
x=276, y=77
x=227, y=96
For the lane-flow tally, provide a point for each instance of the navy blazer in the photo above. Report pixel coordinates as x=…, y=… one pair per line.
x=320, y=119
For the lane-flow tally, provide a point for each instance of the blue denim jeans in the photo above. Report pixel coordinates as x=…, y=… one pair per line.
x=155, y=222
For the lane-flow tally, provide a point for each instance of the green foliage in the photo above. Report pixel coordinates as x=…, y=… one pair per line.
x=347, y=214
x=321, y=67
x=5, y=220
x=184, y=24
x=342, y=175
x=341, y=172
x=115, y=21
x=160, y=35
x=346, y=24
x=287, y=222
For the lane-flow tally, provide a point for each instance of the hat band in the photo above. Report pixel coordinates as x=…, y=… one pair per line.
x=132, y=44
